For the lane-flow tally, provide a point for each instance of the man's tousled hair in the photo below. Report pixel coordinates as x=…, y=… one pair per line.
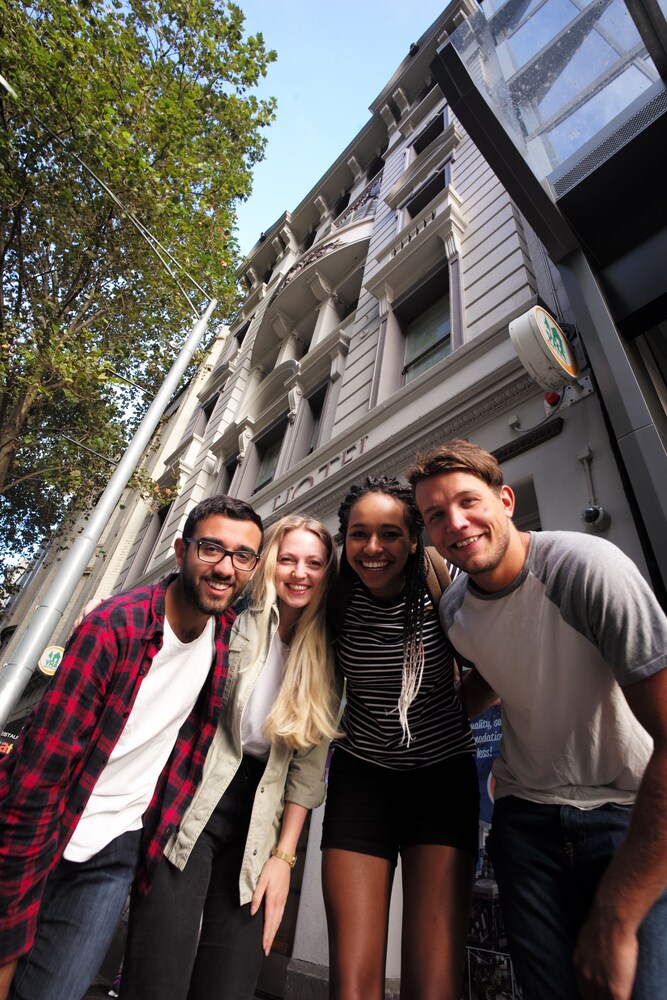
x=456, y=456
x=236, y=510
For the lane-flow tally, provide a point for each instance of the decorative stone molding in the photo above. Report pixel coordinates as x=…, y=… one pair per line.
x=321, y=206
x=287, y=236
x=278, y=246
x=450, y=224
x=368, y=197
x=319, y=286
x=245, y=440
x=420, y=112
x=180, y=470
x=209, y=464
x=388, y=117
x=293, y=399
x=439, y=152
x=283, y=325
x=451, y=236
x=251, y=273
x=338, y=356
x=306, y=261
x=461, y=425
x=355, y=167
x=402, y=103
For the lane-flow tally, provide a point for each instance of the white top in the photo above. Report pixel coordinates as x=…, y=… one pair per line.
x=557, y=645
x=261, y=699
x=125, y=787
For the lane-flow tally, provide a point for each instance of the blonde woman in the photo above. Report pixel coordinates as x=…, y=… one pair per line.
x=228, y=866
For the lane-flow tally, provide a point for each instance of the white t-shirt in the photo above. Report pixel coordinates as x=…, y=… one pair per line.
x=557, y=645
x=165, y=699
x=260, y=702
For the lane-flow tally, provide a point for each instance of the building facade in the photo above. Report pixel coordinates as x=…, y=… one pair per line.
x=375, y=323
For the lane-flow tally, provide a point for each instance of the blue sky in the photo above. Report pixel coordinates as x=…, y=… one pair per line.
x=333, y=60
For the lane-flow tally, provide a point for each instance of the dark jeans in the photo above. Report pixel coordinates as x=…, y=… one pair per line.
x=548, y=861
x=167, y=957
x=81, y=906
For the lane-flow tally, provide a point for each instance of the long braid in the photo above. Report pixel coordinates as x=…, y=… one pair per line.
x=415, y=585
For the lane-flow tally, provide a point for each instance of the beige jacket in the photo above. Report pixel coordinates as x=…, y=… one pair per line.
x=294, y=776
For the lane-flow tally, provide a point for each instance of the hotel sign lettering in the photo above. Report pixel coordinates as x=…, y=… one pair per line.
x=323, y=472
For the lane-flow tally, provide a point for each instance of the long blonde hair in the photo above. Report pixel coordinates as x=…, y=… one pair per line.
x=304, y=712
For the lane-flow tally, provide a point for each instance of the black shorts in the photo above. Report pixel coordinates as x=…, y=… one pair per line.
x=375, y=810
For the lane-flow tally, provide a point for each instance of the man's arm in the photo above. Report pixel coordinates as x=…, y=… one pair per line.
x=606, y=954
x=478, y=695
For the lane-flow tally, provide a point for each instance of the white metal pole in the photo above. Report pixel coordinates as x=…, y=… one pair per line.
x=18, y=671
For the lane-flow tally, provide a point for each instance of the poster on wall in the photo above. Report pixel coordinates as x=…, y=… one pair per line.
x=488, y=968
x=9, y=736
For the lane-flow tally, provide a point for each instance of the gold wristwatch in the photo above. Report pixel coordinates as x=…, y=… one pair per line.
x=289, y=858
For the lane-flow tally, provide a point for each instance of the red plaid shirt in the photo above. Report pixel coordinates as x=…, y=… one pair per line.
x=47, y=780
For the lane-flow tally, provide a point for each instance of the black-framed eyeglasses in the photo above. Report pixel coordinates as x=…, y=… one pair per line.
x=211, y=552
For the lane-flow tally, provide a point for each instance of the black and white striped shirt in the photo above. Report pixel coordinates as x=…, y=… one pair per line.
x=370, y=655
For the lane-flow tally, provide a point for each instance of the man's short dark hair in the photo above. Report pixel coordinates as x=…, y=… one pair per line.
x=230, y=507
x=457, y=456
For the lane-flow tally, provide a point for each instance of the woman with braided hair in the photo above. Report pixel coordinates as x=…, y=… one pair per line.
x=402, y=778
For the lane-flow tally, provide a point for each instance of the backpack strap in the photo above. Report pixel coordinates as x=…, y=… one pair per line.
x=438, y=578
x=438, y=575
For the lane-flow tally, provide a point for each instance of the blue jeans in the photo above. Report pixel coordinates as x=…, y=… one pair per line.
x=548, y=861
x=80, y=908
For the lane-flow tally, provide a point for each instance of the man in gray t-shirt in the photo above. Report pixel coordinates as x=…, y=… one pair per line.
x=562, y=628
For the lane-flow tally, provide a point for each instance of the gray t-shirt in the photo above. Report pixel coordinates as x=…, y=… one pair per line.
x=578, y=622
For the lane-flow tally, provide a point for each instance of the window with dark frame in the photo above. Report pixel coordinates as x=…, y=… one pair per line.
x=427, y=135
x=228, y=473
x=316, y=408
x=424, y=316
x=205, y=414
x=427, y=192
x=268, y=448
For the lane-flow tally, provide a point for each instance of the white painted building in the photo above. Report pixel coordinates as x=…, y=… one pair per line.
x=375, y=323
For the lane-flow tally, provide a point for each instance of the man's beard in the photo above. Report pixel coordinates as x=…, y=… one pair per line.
x=203, y=602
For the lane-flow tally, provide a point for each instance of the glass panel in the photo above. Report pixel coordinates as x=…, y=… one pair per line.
x=582, y=60
x=592, y=59
x=268, y=464
x=589, y=118
x=439, y=352
x=619, y=27
x=537, y=32
x=427, y=338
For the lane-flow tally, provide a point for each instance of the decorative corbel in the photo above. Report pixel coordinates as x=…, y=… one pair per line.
x=357, y=172
x=252, y=275
x=245, y=440
x=293, y=397
x=402, y=102
x=388, y=116
x=321, y=206
x=283, y=325
x=287, y=237
x=210, y=463
x=319, y=286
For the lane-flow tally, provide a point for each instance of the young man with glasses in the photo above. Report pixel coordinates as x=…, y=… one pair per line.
x=109, y=760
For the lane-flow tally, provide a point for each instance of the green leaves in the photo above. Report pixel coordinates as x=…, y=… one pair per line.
x=154, y=97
